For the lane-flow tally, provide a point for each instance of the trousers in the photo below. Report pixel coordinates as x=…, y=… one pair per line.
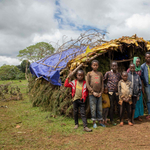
x=76, y=105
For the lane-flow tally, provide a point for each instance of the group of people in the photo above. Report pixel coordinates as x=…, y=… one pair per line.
x=125, y=89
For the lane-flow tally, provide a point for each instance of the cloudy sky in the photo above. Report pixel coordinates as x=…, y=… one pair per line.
x=26, y=22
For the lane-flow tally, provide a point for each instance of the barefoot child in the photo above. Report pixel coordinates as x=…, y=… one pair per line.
x=79, y=94
x=105, y=104
x=112, y=78
x=125, y=97
x=136, y=88
x=139, y=108
x=94, y=84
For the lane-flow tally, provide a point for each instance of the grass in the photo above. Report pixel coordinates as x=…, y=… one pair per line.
x=24, y=125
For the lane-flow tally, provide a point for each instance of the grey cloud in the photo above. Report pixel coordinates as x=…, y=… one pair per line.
x=21, y=21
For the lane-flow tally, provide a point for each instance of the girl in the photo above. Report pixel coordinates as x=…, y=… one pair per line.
x=139, y=108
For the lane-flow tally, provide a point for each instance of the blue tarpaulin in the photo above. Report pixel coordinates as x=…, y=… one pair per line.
x=49, y=67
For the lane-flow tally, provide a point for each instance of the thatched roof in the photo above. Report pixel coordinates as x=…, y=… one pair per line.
x=113, y=45
x=72, y=58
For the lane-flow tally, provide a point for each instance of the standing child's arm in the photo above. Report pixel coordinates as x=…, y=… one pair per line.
x=88, y=83
x=130, y=90
x=102, y=85
x=140, y=86
x=105, y=77
x=67, y=84
x=142, y=78
x=119, y=89
x=121, y=97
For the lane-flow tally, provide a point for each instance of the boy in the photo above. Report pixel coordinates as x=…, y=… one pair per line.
x=94, y=84
x=125, y=94
x=112, y=77
x=106, y=104
x=79, y=94
x=136, y=88
x=145, y=77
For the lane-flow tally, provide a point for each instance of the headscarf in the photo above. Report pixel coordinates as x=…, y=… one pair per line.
x=134, y=62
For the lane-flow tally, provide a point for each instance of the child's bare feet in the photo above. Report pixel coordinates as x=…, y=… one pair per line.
x=105, y=122
x=121, y=124
x=130, y=124
x=133, y=121
x=140, y=119
x=76, y=126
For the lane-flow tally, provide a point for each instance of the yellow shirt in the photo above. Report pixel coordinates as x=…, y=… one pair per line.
x=148, y=73
x=105, y=97
x=78, y=93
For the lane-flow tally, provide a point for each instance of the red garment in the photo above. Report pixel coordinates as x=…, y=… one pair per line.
x=137, y=72
x=73, y=84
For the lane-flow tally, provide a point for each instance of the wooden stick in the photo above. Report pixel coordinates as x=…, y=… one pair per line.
x=96, y=55
x=124, y=60
x=74, y=71
x=38, y=78
x=63, y=71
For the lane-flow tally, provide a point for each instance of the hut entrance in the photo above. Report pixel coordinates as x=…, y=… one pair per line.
x=123, y=65
x=123, y=58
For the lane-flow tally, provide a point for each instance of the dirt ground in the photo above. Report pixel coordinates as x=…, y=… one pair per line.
x=126, y=137
x=112, y=137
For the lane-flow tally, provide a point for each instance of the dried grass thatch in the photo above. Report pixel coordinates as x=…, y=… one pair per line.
x=58, y=99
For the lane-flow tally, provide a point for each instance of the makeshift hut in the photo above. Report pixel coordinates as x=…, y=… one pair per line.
x=46, y=88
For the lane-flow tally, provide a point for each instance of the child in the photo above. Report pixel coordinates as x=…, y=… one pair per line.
x=139, y=108
x=79, y=94
x=106, y=104
x=125, y=94
x=112, y=78
x=136, y=88
x=145, y=77
x=94, y=84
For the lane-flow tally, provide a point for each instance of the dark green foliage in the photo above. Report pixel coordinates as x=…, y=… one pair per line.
x=23, y=66
x=8, y=72
x=36, y=52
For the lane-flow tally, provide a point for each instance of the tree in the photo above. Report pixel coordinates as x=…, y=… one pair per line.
x=8, y=72
x=23, y=65
x=35, y=52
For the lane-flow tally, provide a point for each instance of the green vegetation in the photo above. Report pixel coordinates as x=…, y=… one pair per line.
x=36, y=52
x=24, y=65
x=8, y=72
x=22, y=125
x=29, y=128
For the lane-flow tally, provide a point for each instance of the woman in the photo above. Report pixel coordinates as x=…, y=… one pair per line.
x=139, y=109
